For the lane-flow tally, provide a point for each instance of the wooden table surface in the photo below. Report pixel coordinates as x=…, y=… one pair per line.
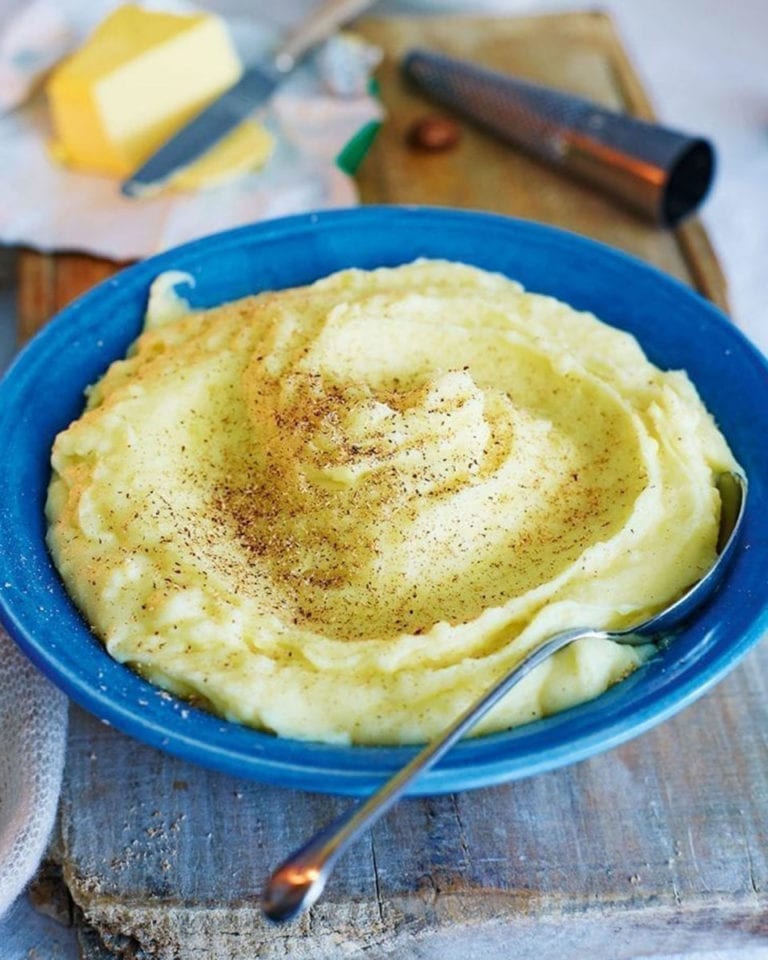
x=656, y=848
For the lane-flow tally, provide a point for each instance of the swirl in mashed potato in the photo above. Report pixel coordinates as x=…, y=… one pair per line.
x=339, y=512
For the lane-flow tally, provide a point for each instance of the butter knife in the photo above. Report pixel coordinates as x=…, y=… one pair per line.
x=254, y=88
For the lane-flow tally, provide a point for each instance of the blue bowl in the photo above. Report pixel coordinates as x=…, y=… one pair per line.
x=43, y=392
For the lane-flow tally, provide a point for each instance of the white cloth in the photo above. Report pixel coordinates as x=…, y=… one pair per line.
x=33, y=728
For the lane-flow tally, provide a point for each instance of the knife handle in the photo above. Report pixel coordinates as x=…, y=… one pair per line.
x=319, y=24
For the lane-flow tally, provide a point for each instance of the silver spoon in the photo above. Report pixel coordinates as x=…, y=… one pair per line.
x=298, y=881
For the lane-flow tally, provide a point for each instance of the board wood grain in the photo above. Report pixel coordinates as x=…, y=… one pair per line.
x=655, y=848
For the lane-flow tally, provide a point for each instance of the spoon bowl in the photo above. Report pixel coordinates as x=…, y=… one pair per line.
x=298, y=882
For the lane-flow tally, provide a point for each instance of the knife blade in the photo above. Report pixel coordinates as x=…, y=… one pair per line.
x=253, y=90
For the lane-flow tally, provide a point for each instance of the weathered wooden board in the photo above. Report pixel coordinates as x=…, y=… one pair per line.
x=658, y=847
x=655, y=848
x=579, y=53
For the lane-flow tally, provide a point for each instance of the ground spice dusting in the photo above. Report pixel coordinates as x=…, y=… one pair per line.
x=328, y=501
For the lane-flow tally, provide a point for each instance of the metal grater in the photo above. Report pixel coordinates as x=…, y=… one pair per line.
x=661, y=173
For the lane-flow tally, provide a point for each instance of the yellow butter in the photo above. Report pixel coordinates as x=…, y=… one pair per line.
x=246, y=148
x=138, y=79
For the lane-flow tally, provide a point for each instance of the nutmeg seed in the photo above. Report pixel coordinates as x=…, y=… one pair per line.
x=434, y=133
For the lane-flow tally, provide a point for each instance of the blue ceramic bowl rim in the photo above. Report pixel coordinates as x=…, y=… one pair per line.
x=37, y=612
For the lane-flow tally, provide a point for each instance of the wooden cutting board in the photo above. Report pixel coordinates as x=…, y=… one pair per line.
x=576, y=52
x=654, y=848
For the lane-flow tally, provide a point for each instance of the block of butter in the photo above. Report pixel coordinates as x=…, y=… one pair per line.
x=140, y=77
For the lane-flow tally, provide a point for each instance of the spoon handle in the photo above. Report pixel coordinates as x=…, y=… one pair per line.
x=297, y=883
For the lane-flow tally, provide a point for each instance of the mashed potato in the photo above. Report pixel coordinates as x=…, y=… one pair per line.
x=339, y=512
